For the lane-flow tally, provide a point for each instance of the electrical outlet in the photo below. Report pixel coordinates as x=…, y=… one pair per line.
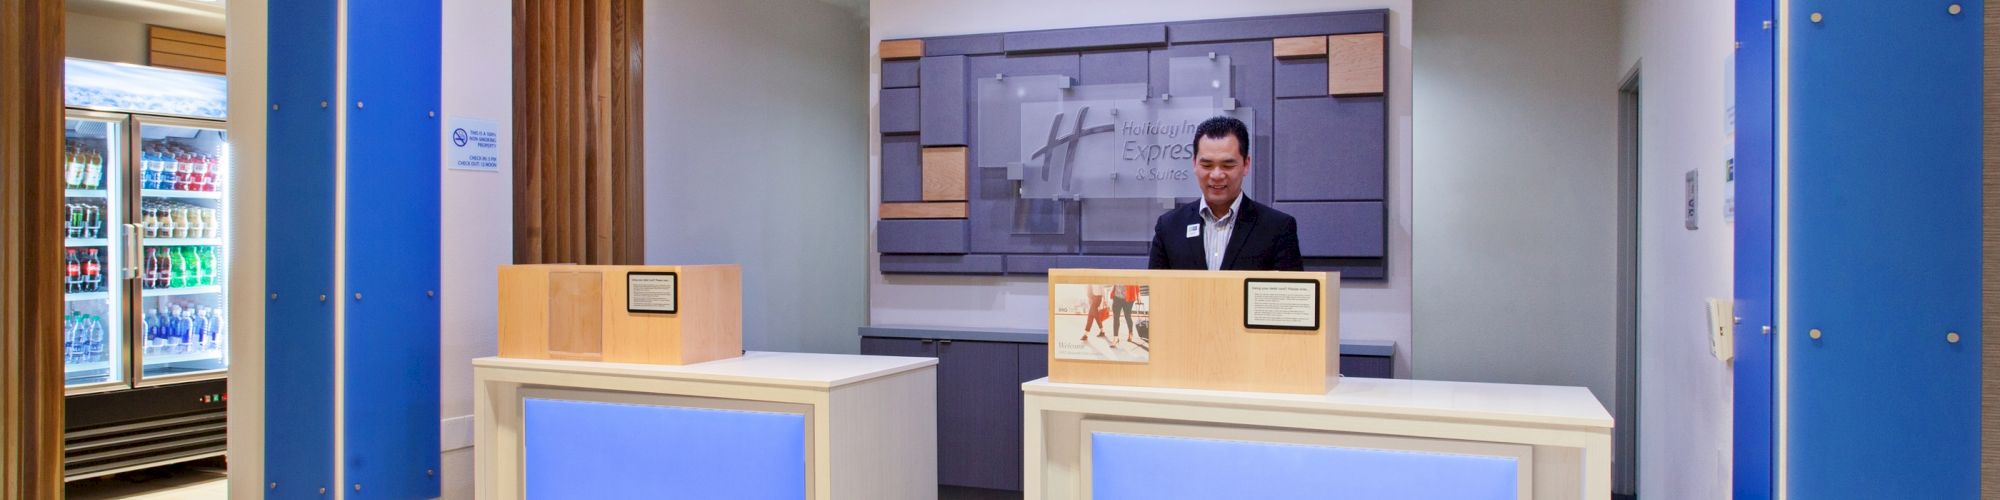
x=1721, y=329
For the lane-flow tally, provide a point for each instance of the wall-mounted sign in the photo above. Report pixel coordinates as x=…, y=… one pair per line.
x=1284, y=304
x=472, y=144
x=652, y=292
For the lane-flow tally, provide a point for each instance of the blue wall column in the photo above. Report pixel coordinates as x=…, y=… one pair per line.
x=1756, y=229
x=1879, y=236
x=353, y=234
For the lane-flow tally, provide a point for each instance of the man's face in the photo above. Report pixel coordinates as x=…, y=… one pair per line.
x=1219, y=167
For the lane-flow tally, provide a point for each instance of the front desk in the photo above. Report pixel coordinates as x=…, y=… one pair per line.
x=1229, y=386
x=765, y=425
x=1365, y=438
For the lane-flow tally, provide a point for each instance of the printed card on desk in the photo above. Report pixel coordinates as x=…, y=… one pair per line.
x=1284, y=304
x=1102, y=323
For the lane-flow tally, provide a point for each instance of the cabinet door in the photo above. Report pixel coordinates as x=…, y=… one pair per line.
x=979, y=415
x=889, y=346
x=1034, y=363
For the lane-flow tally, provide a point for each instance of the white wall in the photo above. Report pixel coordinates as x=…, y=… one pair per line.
x=755, y=147
x=1368, y=310
x=1681, y=47
x=1516, y=116
x=477, y=220
x=87, y=36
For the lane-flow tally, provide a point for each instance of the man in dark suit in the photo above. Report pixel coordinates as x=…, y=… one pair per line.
x=1225, y=229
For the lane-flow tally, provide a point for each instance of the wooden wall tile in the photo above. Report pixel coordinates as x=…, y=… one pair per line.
x=901, y=49
x=936, y=210
x=944, y=173
x=1302, y=46
x=1355, y=64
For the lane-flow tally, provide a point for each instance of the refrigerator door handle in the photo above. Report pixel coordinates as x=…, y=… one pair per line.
x=132, y=246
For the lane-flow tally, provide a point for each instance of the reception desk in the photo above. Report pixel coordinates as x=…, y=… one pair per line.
x=1364, y=438
x=765, y=425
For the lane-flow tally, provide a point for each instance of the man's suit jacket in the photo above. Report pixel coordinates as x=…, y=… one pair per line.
x=1264, y=239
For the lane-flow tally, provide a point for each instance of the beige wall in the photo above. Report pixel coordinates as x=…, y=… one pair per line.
x=104, y=39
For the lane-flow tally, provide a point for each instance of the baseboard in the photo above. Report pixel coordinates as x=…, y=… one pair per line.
x=455, y=433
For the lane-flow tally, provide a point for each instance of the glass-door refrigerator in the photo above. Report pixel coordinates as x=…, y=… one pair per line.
x=145, y=330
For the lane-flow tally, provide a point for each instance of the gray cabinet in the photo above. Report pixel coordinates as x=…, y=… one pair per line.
x=978, y=404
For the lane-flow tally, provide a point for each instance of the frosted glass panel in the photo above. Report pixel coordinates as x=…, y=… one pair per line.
x=1147, y=467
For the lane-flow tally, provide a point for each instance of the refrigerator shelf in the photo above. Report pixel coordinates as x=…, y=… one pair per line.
x=86, y=193
x=73, y=297
x=191, y=290
x=86, y=242
x=161, y=359
x=75, y=368
x=182, y=242
x=169, y=193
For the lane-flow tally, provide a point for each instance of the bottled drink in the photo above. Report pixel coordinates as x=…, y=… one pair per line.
x=166, y=271
x=91, y=170
x=208, y=266
x=71, y=270
x=93, y=219
x=72, y=172
x=93, y=277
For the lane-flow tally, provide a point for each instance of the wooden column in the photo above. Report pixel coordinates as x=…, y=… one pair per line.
x=31, y=303
x=578, y=132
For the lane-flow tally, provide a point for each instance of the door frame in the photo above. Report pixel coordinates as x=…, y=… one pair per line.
x=31, y=125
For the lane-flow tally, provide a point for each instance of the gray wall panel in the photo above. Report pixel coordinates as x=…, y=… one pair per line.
x=901, y=111
x=941, y=264
x=945, y=236
x=1303, y=77
x=1279, y=26
x=900, y=73
x=902, y=169
x=1125, y=66
x=943, y=100
x=1339, y=228
x=1085, y=38
x=1030, y=264
x=962, y=45
x=1330, y=149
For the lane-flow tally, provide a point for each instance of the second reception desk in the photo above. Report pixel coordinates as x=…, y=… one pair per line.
x=1365, y=438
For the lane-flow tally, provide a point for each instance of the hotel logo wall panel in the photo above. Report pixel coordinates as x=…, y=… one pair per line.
x=1011, y=153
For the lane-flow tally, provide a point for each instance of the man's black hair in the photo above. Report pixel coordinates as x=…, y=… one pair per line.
x=1220, y=127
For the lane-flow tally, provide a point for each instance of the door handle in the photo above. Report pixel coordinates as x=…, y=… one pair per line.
x=132, y=249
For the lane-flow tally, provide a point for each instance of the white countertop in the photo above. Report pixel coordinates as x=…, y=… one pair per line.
x=1418, y=398
x=755, y=367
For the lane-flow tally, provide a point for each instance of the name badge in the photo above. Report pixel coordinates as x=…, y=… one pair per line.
x=1194, y=230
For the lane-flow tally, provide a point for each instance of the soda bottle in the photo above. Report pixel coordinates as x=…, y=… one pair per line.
x=166, y=270
x=71, y=270
x=93, y=278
